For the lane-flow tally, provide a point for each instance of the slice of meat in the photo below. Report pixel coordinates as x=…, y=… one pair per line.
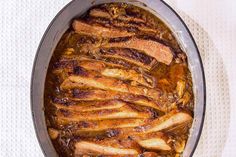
x=67, y=84
x=69, y=61
x=96, y=65
x=108, y=60
x=157, y=50
x=105, y=62
x=98, y=31
x=92, y=65
x=129, y=75
x=122, y=62
x=152, y=141
x=130, y=55
x=91, y=79
x=166, y=123
x=66, y=64
x=171, y=119
x=123, y=74
x=102, y=14
x=91, y=126
x=154, y=144
x=96, y=94
x=138, y=28
x=121, y=113
x=132, y=24
x=99, y=13
x=92, y=106
x=91, y=148
x=158, y=141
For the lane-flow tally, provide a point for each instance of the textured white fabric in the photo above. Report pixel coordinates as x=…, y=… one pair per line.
x=212, y=22
x=22, y=24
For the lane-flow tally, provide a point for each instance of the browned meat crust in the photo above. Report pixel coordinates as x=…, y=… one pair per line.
x=123, y=74
x=118, y=113
x=101, y=125
x=130, y=55
x=114, y=146
x=139, y=25
x=171, y=119
x=103, y=14
x=157, y=50
x=91, y=106
x=91, y=148
x=160, y=52
x=98, y=31
x=83, y=78
x=97, y=94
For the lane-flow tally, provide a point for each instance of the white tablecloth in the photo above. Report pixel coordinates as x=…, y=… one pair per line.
x=22, y=24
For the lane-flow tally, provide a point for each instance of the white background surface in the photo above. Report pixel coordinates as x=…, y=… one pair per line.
x=22, y=24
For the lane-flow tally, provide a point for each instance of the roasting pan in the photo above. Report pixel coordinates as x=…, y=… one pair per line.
x=62, y=22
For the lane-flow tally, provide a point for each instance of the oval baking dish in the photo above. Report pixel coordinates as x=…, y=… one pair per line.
x=60, y=25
